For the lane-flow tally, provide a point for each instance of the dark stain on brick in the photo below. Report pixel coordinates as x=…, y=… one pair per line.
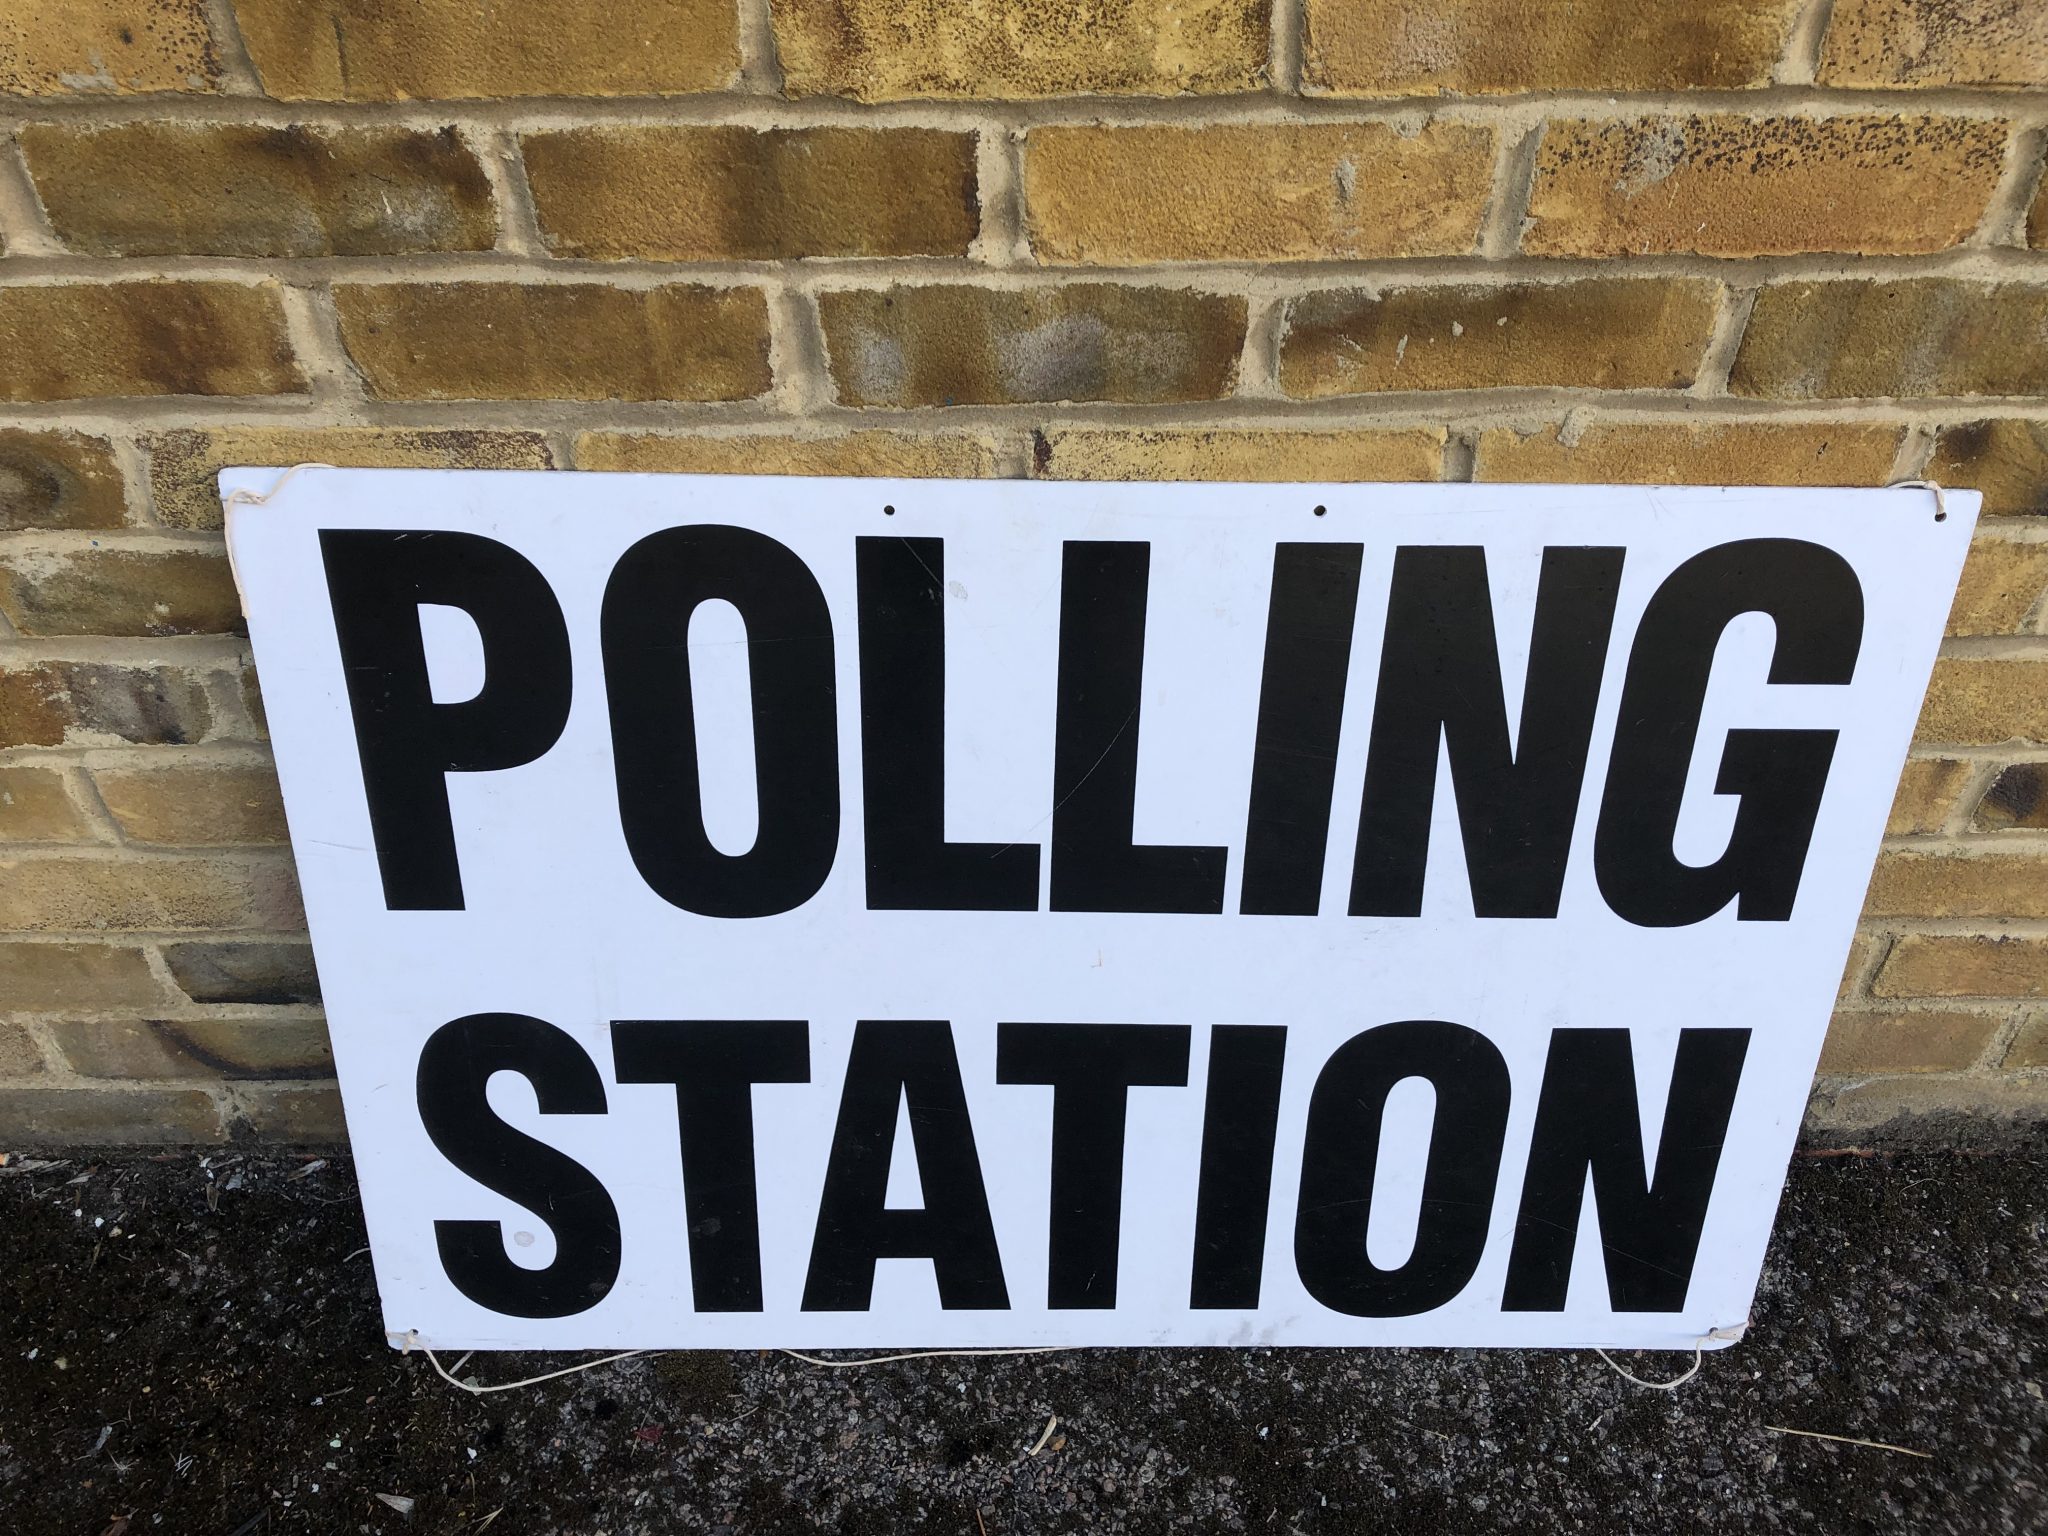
x=2017, y=798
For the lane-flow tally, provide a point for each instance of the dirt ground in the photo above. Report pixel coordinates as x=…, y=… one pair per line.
x=190, y=1345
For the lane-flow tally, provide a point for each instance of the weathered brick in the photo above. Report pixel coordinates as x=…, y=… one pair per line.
x=1929, y=790
x=194, y=806
x=2005, y=458
x=70, y=341
x=260, y=972
x=1255, y=191
x=60, y=893
x=1943, y=965
x=78, y=978
x=556, y=341
x=183, y=465
x=120, y=592
x=2001, y=586
x=1864, y=1041
x=242, y=189
x=2029, y=1049
x=36, y=808
x=20, y=1056
x=1880, y=43
x=1726, y=185
x=900, y=455
x=951, y=344
x=1602, y=333
x=307, y=1114
x=1884, y=1108
x=889, y=50
x=2037, y=217
x=2017, y=799
x=1906, y=337
x=59, y=479
x=1690, y=453
x=370, y=50
x=1475, y=47
x=208, y=1048
x=1230, y=453
x=1981, y=701
x=721, y=193
x=96, y=704
x=1913, y=884
x=63, y=47
x=106, y=1117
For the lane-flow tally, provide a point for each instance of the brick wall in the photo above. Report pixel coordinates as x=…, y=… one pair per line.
x=1786, y=241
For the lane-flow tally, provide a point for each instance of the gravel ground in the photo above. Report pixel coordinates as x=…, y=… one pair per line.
x=191, y=1345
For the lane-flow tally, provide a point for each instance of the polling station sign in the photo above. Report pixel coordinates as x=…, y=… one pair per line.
x=884, y=913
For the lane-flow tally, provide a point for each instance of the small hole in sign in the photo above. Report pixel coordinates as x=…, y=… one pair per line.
x=888, y=511
x=1941, y=517
x=1320, y=511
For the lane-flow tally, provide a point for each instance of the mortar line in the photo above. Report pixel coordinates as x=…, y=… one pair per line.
x=1514, y=183
x=1284, y=61
x=1915, y=449
x=85, y=794
x=1258, y=366
x=760, y=61
x=1731, y=320
x=22, y=219
x=1799, y=59
x=1963, y=263
x=796, y=354
x=2005, y=216
x=1267, y=104
x=499, y=152
x=1982, y=775
x=1000, y=241
x=314, y=331
x=238, y=71
x=131, y=459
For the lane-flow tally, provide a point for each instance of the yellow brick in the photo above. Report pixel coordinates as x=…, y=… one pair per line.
x=1981, y=701
x=899, y=455
x=1953, y=885
x=76, y=978
x=1691, y=453
x=742, y=194
x=208, y=1048
x=20, y=1056
x=2029, y=1050
x=1931, y=965
x=953, y=344
x=1929, y=790
x=1407, y=48
x=98, y=704
x=62, y=893
x=95, y=1116
x=120, y=592
x=228, y=189
x=1912, y=337
x=2001, y=586
x=1927, y=1105
x=1229, y=453
x=1255, y=192
x=68, y=341
x=556, y=341
x=184, y=464
x=891, y=50
x=1774, y=186
x=2005, y=458
x=197, y=805
x=59, y=479
x=2037, y=218
x=65, y=47
x=1878, y=43
x=2017, y=799
x=1861, y=1041
x=244, y=971
x=295, y=1114
x=1602, y=333
x=35, y=808
x=372, y=50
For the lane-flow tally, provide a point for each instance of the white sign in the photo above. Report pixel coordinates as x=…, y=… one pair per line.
x=919, y=913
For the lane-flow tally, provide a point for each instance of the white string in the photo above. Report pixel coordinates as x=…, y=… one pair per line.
x=412, y=1341
x=248, y=498
x=1730, y=1332
x=1940, y=499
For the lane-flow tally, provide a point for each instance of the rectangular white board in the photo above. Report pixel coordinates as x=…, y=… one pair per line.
x=819, y=913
